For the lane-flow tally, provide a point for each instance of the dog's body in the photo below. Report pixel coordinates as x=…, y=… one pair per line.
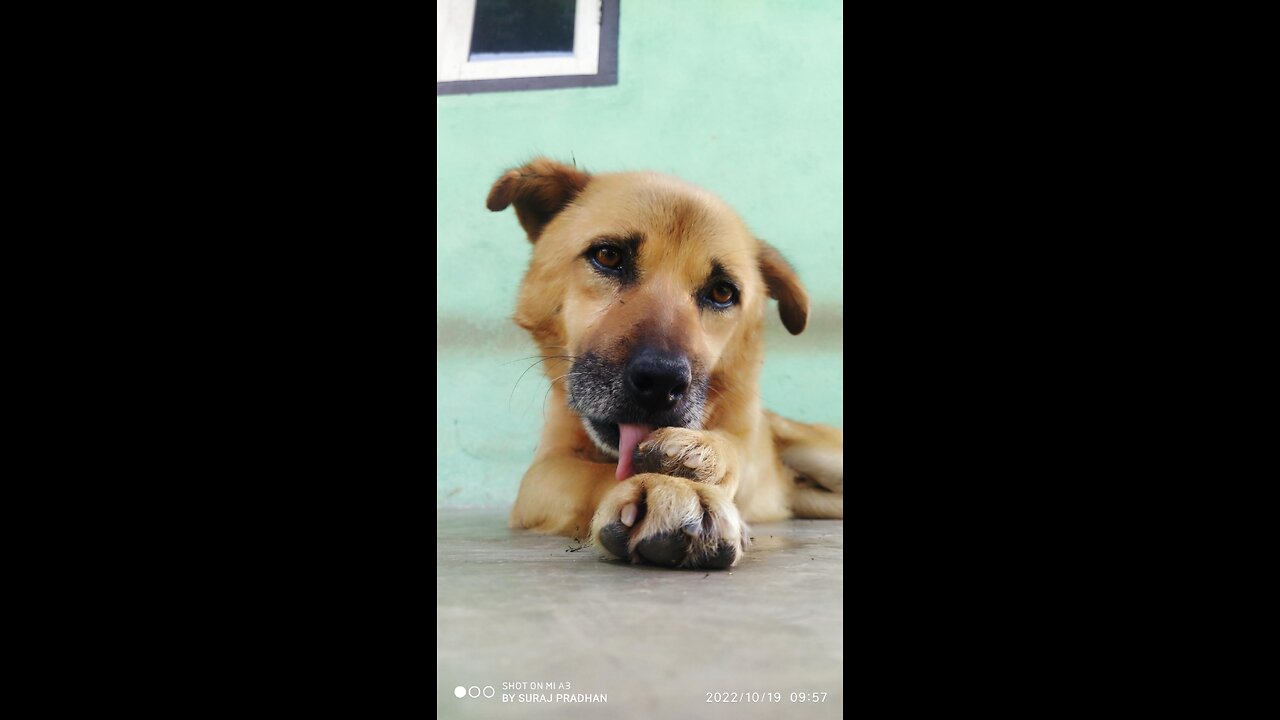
x=646, y=297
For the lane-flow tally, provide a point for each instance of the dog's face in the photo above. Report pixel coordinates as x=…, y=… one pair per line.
x=651, y=291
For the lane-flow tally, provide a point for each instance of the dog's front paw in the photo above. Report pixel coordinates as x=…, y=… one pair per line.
x=669, y=521
x=694, y=454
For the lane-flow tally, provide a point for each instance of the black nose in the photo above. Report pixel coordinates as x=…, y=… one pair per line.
x=657, y=379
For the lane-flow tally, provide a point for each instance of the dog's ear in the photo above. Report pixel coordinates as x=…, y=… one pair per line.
x=539, y=190
x=784, y=285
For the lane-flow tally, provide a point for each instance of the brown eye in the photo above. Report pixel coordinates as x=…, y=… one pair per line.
x=722, y=294
x=607, y=257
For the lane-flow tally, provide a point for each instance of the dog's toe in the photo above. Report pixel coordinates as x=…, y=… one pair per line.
x=614, y=539
x=667, y=548
x=723, y=555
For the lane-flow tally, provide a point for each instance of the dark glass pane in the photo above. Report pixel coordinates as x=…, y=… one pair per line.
x=523, y=26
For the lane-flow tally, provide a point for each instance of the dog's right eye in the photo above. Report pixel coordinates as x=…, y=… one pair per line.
x=608, y=258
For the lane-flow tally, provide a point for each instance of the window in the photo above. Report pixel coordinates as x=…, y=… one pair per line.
x=490, y=45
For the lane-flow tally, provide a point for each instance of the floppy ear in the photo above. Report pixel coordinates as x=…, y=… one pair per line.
x=784, y=285
x=539, y=190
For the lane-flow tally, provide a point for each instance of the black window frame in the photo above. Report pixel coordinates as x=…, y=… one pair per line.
x=606, y=66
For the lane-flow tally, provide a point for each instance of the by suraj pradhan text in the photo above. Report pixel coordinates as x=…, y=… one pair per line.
x=555, y=697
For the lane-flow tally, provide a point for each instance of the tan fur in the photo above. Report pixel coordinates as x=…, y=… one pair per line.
x=744, y=463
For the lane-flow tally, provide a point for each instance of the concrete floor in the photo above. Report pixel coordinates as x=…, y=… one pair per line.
x=514, y=608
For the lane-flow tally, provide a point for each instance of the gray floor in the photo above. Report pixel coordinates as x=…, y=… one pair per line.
x=517, y=608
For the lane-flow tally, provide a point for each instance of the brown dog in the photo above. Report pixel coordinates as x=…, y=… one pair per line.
x=646, y=297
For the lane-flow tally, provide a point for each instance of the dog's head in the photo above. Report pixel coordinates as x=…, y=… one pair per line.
x=648, y=293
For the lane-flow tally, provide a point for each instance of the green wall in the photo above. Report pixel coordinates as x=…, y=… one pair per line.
x=742, y=97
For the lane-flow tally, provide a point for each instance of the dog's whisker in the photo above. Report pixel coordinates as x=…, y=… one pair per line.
x=531, y=357
x=517, y=384
x=545, y=395
x=555, y=380
x=550, y=386
x=543, y=358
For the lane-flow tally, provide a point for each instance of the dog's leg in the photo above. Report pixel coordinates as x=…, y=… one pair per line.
x=559, y=495
x=815, y=454
x=816, y=502
x=679, y=510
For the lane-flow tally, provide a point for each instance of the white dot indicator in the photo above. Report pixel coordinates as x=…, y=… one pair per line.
x=459, y=692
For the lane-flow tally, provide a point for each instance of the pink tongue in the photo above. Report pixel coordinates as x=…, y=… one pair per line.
x=629, y=436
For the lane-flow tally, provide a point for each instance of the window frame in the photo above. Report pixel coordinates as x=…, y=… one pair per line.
x=594, y=61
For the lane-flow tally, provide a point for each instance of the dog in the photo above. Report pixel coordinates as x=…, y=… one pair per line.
x=646, y=297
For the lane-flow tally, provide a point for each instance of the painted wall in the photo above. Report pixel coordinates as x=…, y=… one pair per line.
x=742, y=97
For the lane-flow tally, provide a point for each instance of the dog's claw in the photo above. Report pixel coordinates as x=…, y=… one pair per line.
x=628, y=515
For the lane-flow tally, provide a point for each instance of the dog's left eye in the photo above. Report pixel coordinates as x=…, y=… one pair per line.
x=607, y=257
x=723, y=294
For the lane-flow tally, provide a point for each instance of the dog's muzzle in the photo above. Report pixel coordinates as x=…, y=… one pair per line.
x=621, y=402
